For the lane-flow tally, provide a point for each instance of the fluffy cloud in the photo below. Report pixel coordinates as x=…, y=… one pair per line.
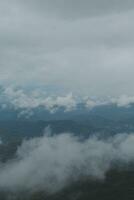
x=92, y=103
x=51, y=162
x=27, y=101
x=123, y=101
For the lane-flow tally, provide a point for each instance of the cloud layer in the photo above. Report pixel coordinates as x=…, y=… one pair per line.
x=51, y=162
x=26, y=101
x=20, y=99
x=81, y=46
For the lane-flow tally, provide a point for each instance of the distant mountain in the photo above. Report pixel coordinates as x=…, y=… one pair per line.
x=107, y=112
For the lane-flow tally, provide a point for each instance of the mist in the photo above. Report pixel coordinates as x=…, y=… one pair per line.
x=50, y=163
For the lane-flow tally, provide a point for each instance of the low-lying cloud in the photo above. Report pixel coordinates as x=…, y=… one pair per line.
x=49, y=163
x=123, y=101
x=26, y=101
x=21, y=99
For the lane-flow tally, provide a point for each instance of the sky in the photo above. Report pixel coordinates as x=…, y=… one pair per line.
x=81, y=46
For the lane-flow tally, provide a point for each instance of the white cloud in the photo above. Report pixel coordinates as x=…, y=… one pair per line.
x=120, y=101
x=92, y=103
x=27, y=101
x=123, y=101
x=68, y=102
x=51, y=162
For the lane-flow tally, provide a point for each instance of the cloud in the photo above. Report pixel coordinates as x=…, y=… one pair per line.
x=91, y=103
x=50, y=162
x=123, y=101
x=68, y=102
x=120, y=101
x=85, y=46
x=80, y=8
x=27, y=101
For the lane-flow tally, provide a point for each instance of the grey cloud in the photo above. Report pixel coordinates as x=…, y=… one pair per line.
x=123, y=101
x=27, y=101
x=80, y=8
x=86, y=55
x=19, y=99
x=48, y=163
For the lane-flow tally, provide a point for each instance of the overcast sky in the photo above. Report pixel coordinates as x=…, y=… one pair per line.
x=80, y=46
